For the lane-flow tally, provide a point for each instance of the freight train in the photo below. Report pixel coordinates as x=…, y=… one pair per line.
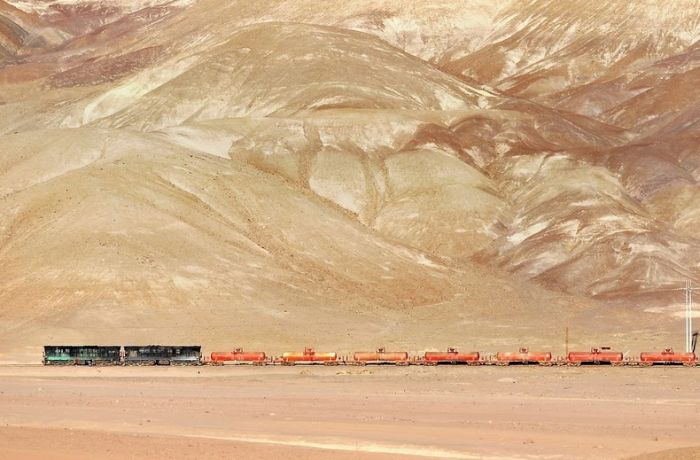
x=192, y=355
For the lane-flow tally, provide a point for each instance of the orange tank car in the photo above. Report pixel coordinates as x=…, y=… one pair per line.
x=309, y=356
x=524, y=356
x=451, y=356
x=668, y=356
x=381, y=356
x=595, y=356
x=238, y=356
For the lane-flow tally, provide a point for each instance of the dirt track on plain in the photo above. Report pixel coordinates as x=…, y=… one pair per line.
x=338, y=413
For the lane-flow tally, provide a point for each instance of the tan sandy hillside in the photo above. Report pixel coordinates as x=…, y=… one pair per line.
x=282, y=173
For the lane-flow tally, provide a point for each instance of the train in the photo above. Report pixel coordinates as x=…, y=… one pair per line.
x=191, y=355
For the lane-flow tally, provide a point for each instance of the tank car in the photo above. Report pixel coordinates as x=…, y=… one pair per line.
x=308, y=356
x=238, y=356
x=381, y=356
x=524, y=356
x=451, y=356
x=667, y=357
x=601, y=355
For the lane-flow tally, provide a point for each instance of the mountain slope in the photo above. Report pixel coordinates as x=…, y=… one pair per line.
x=249, y=76
x=542, y=47
x=275, y=172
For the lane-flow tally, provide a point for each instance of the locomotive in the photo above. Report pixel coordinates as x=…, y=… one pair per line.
x=114, y=355
x=85, y=355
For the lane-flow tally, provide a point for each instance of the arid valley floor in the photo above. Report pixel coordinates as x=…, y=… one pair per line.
x=355, y=413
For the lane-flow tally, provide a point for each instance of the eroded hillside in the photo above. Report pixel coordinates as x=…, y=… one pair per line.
x=358, y=172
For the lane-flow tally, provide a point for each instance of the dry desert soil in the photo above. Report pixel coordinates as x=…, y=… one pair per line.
x=348, y=413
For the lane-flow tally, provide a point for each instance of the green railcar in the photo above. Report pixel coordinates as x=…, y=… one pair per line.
x=83, y=355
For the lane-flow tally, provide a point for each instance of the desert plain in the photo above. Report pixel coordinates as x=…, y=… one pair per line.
x=324, y=412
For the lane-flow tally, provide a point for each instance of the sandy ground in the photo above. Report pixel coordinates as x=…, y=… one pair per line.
x=339, y=413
